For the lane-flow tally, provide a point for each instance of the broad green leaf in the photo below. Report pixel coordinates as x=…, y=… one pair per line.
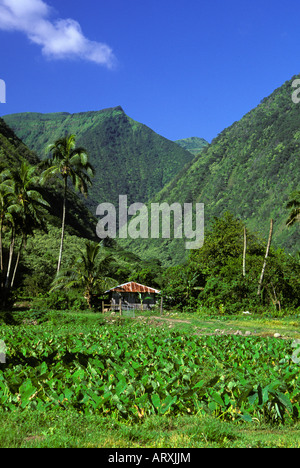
x=217, y=397
x=156, y=400
x=26, y=391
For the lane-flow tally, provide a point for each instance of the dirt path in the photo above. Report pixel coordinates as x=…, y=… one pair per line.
x=217, y=328
x=168, y=319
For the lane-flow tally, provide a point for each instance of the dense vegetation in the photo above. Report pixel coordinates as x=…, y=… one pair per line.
x=128, y=157
x=91, y=365
x=24, y=223
x=193, y=144
x=249, y=169
x=214, y=275
x=210, y=277
x=79, y=379
x=132, y=372
x=13, y=152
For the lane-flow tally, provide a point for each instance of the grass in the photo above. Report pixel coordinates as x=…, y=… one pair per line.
x=69, y=428
x=288, y=327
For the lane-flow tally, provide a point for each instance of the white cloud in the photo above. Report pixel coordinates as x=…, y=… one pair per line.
x=60, y=39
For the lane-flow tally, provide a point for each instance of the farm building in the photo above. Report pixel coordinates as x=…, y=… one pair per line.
x=133, y=294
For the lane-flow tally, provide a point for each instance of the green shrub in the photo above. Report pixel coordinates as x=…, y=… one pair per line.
x=61, y=300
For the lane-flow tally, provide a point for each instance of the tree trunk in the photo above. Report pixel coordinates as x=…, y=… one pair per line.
x=244, y=253
x=265, y=261
x=6, y=288
x=88, y=297
x=17, y=261
x=62, y=226
x=11, y=252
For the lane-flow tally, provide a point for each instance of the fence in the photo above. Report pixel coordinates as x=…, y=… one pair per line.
x=127, y=310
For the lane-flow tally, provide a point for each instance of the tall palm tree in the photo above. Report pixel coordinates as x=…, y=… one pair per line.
x=69, y=162
x=90, y=272
x=4, y=203
x=27, y=209
x=294, y=206
x=24, y=210
x=20, y=213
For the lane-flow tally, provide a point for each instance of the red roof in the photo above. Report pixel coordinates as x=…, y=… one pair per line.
x=135, y=288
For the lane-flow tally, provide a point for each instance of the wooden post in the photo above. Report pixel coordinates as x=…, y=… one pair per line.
x=120, y=307
x=161, y=306
x=265, y=261
x=244, y=253
x=102, y=306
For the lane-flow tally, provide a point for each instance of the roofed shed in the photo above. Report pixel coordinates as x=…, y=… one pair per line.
x=133, y=294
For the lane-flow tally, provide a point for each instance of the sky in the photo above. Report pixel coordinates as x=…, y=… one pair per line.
x=182, y=67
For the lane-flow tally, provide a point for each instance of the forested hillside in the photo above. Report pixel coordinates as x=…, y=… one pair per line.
x=193, y=144
x=250, y=170
x=129, y=158
x=12, y=153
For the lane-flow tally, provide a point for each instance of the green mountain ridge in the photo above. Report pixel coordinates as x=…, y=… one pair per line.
x=129, y=158
x=193, y=144
x=249, y=169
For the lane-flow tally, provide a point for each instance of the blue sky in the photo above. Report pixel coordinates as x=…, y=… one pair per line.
x=184, y=68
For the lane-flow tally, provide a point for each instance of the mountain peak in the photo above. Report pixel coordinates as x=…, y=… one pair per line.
x=193, y=144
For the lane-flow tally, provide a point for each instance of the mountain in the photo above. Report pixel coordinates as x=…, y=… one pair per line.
x=194, y=144
x=12, y=149
x=79, y=220
x=129, y=158
x=249, y=169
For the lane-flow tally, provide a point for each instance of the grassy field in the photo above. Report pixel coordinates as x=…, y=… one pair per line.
x=87, y=380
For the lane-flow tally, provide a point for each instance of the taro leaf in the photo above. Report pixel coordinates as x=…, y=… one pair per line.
x=265, y=395
x=199, y=384
x=217, y=398
x=212, y=405
x=135, y=365
x=121, y=386
x=252, y=398
x=43, y=368
x=150, y=344
x=26, y=391
x=246, y=417
x=244, y=395
x=167, y=403
x=156, y=401
x=285, y=401
x=68, y=393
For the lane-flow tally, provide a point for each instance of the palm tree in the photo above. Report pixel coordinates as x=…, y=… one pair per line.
x=89, y=273
x=24, y=210
x=294, y=206
x=68, y=162
x=4, y=203
x=20, y=212
x=27, y=208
